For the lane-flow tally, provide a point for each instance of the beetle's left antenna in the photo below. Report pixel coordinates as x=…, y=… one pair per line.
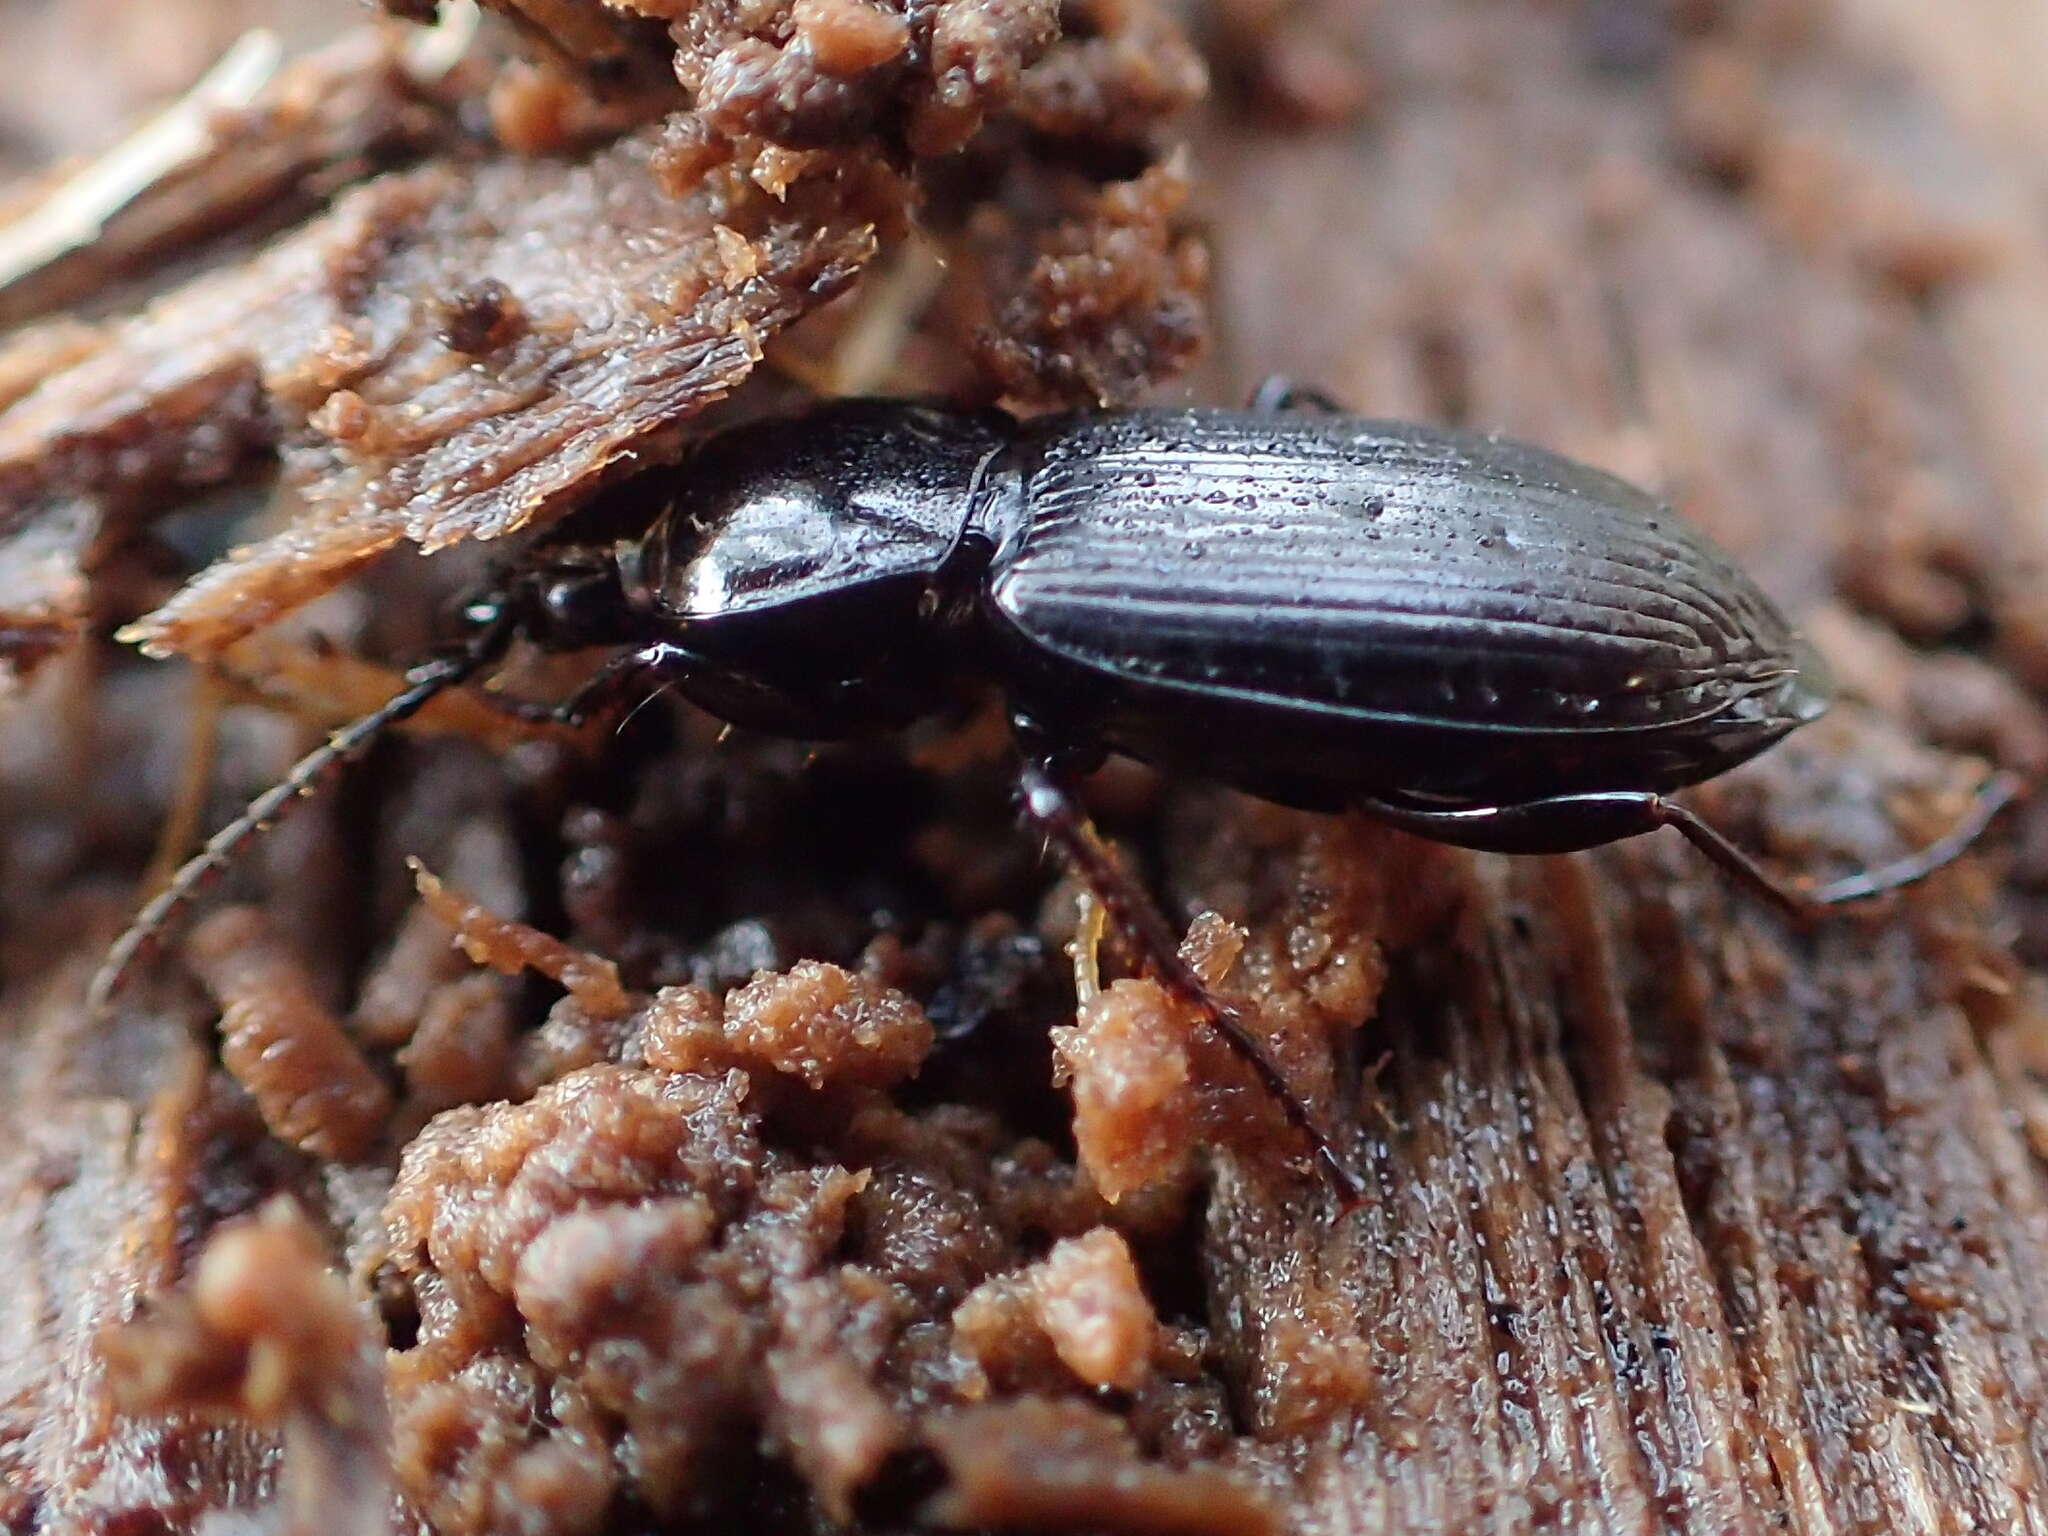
x=144, y=935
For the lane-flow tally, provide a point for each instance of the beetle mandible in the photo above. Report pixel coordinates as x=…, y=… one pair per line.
x=1475, y=640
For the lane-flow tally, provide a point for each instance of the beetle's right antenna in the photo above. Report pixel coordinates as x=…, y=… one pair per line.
x=145, y=935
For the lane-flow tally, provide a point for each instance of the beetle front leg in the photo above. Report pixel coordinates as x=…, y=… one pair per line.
x=602, y=691
x=1145, y=929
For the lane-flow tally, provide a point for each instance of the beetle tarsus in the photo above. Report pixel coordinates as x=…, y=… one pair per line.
x=1144, y=928
x=1992, y=796
x=1806, y=901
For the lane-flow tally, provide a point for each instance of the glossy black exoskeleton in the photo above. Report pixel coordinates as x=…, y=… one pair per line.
x=1475, y=640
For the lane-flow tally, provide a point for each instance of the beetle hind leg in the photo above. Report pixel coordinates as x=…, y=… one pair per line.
x=1806, y=899
x=1572, y=823
x=1568, y=823
x=1992, y=796
x=1144, y=927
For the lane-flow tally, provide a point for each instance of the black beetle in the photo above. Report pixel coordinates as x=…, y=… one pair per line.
x=1475, y=640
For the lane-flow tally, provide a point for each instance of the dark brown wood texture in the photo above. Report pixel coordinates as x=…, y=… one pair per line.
x=1689, y=1227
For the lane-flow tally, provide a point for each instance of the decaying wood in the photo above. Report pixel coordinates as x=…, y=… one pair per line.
x=253, y=142
x=1689, y=1224
x=477, y=346
x=333, y=350
x=1684, y=1221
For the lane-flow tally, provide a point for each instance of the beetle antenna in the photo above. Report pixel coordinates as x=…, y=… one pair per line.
x=1144, y=928
x=145, y=935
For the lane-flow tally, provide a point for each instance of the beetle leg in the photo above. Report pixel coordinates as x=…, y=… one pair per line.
x=1792, y=900
x=1277, y=392
x=601, y=691
x=1144, y=928
x=1566, y=823
x=1993, y=796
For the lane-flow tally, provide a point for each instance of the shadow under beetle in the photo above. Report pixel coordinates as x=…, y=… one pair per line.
x=1474, y=640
